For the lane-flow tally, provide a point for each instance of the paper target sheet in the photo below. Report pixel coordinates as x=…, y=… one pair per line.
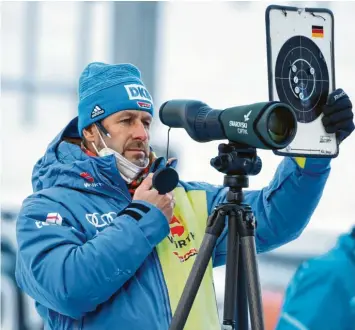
x=300, y=50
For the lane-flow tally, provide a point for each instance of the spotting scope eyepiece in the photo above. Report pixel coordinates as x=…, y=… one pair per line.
x=264, y=125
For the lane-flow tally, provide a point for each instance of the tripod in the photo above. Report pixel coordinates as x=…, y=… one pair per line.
x=242, y=280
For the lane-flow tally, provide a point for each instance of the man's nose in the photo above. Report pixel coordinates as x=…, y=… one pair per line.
x=140, y=132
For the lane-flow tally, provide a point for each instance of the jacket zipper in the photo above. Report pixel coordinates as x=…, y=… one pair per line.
x=104, y=180
x=163, y=287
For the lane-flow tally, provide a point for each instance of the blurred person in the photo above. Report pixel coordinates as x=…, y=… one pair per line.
x=98, y=248
x=321, y=295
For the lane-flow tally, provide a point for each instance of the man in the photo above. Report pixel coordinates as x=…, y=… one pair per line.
x=100, y=249
x=321, y=295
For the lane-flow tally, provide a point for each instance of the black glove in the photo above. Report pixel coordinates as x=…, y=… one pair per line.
x=338, y=115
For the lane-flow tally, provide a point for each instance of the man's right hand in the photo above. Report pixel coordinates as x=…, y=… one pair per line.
x=165, y=202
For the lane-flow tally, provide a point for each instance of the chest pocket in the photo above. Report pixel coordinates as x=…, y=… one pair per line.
x=177, y=253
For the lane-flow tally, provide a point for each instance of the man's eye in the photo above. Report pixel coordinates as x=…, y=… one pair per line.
x=146, y=123
x=125, y=120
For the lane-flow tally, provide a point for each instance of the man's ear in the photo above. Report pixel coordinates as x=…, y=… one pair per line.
x=89, y=133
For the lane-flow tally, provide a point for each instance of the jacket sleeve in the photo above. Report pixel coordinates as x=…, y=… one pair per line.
x=315, y=299
x=59, y=268
x=283, y=208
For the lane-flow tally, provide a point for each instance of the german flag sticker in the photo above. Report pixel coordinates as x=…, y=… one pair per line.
x=317, y=31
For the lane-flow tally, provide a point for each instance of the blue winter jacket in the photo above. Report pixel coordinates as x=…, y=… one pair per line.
x=92, y=259
x=321, y=295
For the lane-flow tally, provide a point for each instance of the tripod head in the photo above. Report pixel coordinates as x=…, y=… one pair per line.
x=237, y=162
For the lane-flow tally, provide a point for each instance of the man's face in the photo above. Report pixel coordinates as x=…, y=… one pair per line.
x=129, y=132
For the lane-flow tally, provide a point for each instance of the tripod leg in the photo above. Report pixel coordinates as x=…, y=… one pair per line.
x=242, y=297
x=231, y=273
x=214, y=229
x=248, y=250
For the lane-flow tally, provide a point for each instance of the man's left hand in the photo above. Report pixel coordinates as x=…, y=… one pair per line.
x=338, y=115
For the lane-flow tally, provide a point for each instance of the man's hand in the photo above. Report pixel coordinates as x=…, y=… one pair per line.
x=165, y=202
x=338, y=115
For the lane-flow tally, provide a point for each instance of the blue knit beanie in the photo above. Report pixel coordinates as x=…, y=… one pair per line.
x=105, y=89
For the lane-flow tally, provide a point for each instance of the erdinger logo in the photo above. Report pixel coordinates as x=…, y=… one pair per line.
x=181, y=239
x=176, y=228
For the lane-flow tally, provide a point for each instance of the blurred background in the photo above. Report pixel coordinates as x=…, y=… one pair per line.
x=197, y=50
